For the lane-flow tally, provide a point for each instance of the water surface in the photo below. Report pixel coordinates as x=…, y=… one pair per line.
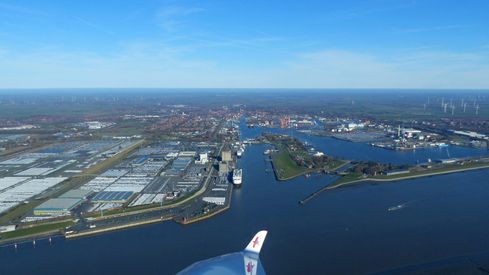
x=344, y=231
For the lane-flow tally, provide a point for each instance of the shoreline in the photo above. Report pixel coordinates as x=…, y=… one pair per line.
x=95, y=231
x=406, y=177
x=115, y=228
x=211, y=213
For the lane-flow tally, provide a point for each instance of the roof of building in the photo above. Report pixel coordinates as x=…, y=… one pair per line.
x=76, y=194
x=65, y=204
x=397, y=171
x=112, y=196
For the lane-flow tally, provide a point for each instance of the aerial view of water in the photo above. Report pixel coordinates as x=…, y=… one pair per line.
x=344, y=231
x=363, y=151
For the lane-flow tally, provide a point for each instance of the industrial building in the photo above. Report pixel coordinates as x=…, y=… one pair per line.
x=223, y=168
x=111, y=197
x=215, y=200
x=226, y=155
x=409, y=132
x=189, y=154
x=447, y=161
x=470, y=134
x=57, y=207
x=63, y=204
x=396, y=172
x=203, y=158
x=76, y=194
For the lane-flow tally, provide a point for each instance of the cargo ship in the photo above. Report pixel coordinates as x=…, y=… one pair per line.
x=237, y=176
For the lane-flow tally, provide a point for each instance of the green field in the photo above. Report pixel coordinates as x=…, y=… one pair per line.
x=346, y=179
x=285, y=167
x=40, y=229
x=336, y=164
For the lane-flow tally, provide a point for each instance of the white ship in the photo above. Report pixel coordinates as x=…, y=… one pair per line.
x=237, y=176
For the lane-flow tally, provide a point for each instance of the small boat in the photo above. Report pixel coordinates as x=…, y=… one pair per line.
x=397, y=207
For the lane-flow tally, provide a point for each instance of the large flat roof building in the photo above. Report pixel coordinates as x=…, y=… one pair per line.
x=57, y=206
x=223, y=168
x=76, y=194
x=112, y=196
x=226, y=155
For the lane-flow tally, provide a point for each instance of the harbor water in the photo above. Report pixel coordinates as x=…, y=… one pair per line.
x=344, y=231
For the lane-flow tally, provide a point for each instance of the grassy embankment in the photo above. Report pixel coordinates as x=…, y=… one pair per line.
x=446, y=169
x=285, y=167
x=354, y=178
x=35, y=230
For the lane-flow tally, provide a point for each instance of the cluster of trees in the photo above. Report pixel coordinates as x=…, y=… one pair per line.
x=323, y=160
x=299, y=151
x=372, y=168
x=292, y=144
x=302, y=161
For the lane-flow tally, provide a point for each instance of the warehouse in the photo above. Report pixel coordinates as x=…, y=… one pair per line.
x=111, y=196
x=76, y=194
x=215, y=200
x=57, y=207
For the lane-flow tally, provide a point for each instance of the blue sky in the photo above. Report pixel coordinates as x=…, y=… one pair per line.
x=244, y=44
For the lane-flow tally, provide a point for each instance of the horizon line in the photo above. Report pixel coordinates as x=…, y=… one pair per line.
x=236, y=88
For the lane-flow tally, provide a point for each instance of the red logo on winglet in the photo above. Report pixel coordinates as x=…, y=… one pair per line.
x=255, y=242
x=249, y=267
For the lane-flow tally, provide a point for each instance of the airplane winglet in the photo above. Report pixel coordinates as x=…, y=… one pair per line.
x=257, y=242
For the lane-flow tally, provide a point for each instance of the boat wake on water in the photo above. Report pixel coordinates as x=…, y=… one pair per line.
x=398, y=207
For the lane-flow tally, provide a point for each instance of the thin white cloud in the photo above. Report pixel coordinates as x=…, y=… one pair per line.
x=197, y=42
x=344, y=69
x=359, y=10
x=91, y=24
x=6, y=7
x=434, y=29
x=172, y=18
x=159, y=65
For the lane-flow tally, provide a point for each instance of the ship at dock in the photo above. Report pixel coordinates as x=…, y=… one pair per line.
x=237, y=176
x=240, y=152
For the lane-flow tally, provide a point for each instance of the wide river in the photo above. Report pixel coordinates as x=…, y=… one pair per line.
x=344, y=231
